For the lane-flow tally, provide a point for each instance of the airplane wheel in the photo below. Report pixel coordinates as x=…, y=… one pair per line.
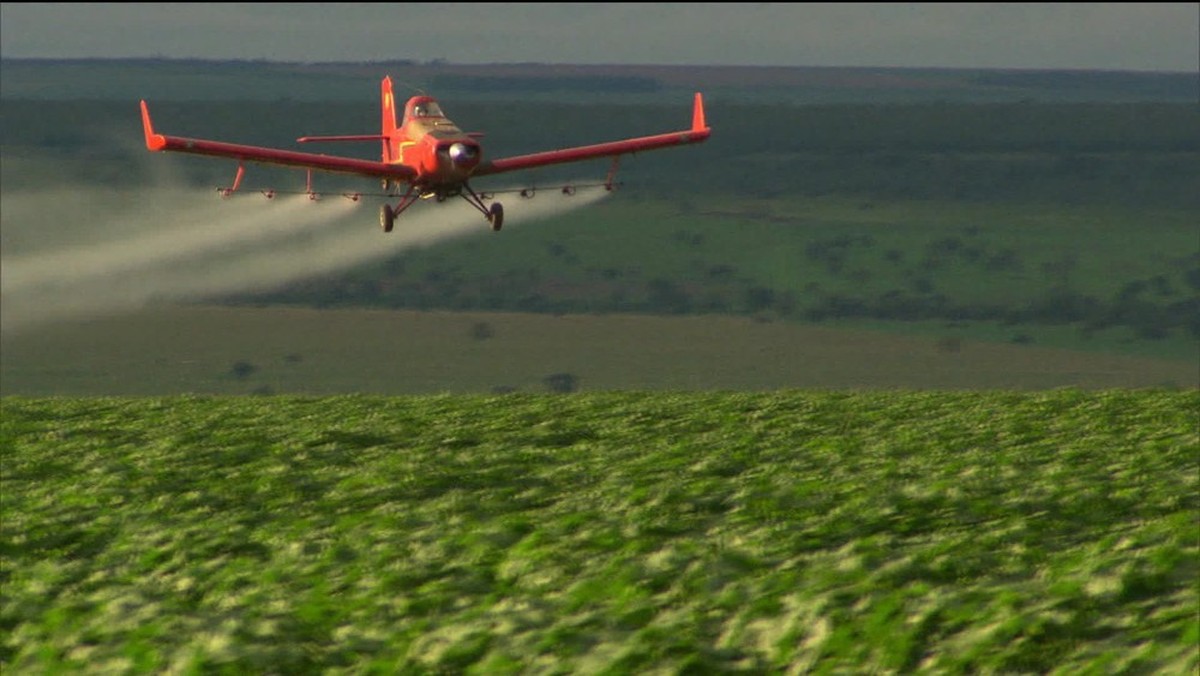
x=496, y=216
x=387, y=218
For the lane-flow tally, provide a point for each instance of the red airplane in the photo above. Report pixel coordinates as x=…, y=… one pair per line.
x=426, y=156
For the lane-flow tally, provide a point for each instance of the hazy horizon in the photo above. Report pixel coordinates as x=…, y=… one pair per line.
x=1154, y=37
x=444, y=62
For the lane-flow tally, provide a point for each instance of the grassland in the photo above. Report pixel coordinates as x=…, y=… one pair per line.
x=1030, y=216
x=1030, y=267
x=810, y=247
x=1033, y=220
x=785, y=532
x=1030, y=222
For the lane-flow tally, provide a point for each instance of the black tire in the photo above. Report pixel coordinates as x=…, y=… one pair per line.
x=496, y=216
x=387, y=218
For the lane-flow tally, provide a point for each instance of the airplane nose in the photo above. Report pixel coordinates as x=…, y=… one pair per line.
x=464, y=154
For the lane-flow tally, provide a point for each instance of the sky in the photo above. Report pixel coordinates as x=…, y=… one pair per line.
x=1090, y=36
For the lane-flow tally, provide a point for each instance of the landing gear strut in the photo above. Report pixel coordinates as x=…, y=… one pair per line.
x=388, y=214
x=494, y=213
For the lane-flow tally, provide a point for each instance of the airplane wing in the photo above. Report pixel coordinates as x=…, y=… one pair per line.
x=346, y=165
x=699, y=132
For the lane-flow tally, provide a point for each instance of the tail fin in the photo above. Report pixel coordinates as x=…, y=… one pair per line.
x=389, y=107
x=388, y=120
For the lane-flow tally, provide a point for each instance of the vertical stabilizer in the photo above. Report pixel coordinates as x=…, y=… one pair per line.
x=388, y=119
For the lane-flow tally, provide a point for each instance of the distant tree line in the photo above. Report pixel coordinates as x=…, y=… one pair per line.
x=542, y=84
x=1145, y=85
x=1151, y=307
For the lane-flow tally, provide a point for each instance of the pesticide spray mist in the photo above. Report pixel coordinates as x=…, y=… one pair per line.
x=87, y=252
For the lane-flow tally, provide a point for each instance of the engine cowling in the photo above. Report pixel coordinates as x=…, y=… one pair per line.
x=464, y=155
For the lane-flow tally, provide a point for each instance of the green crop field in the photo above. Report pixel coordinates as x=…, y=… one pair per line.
x=786, y=532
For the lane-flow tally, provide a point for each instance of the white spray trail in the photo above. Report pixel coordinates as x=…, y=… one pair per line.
x=192, y=231
x=192, y=245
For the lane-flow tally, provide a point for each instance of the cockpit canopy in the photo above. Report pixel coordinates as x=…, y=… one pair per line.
x=423, y=107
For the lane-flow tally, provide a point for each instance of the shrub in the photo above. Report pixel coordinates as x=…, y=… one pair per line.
x=561, y=383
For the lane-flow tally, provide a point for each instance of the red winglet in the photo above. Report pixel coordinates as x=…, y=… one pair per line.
x=698, y=133
x=153, y=141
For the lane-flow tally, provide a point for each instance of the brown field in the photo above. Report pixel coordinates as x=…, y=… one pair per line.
x=194, y=349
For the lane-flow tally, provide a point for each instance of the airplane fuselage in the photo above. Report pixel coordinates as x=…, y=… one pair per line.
x=432, y=145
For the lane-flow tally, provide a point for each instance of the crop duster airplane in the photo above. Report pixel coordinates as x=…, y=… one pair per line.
x=426, y=156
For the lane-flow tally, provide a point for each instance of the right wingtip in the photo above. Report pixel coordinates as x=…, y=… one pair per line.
x=698, y=121
x=153, y=141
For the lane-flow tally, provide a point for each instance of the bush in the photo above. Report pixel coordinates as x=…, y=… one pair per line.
x=561, y=383
x=242, y=369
